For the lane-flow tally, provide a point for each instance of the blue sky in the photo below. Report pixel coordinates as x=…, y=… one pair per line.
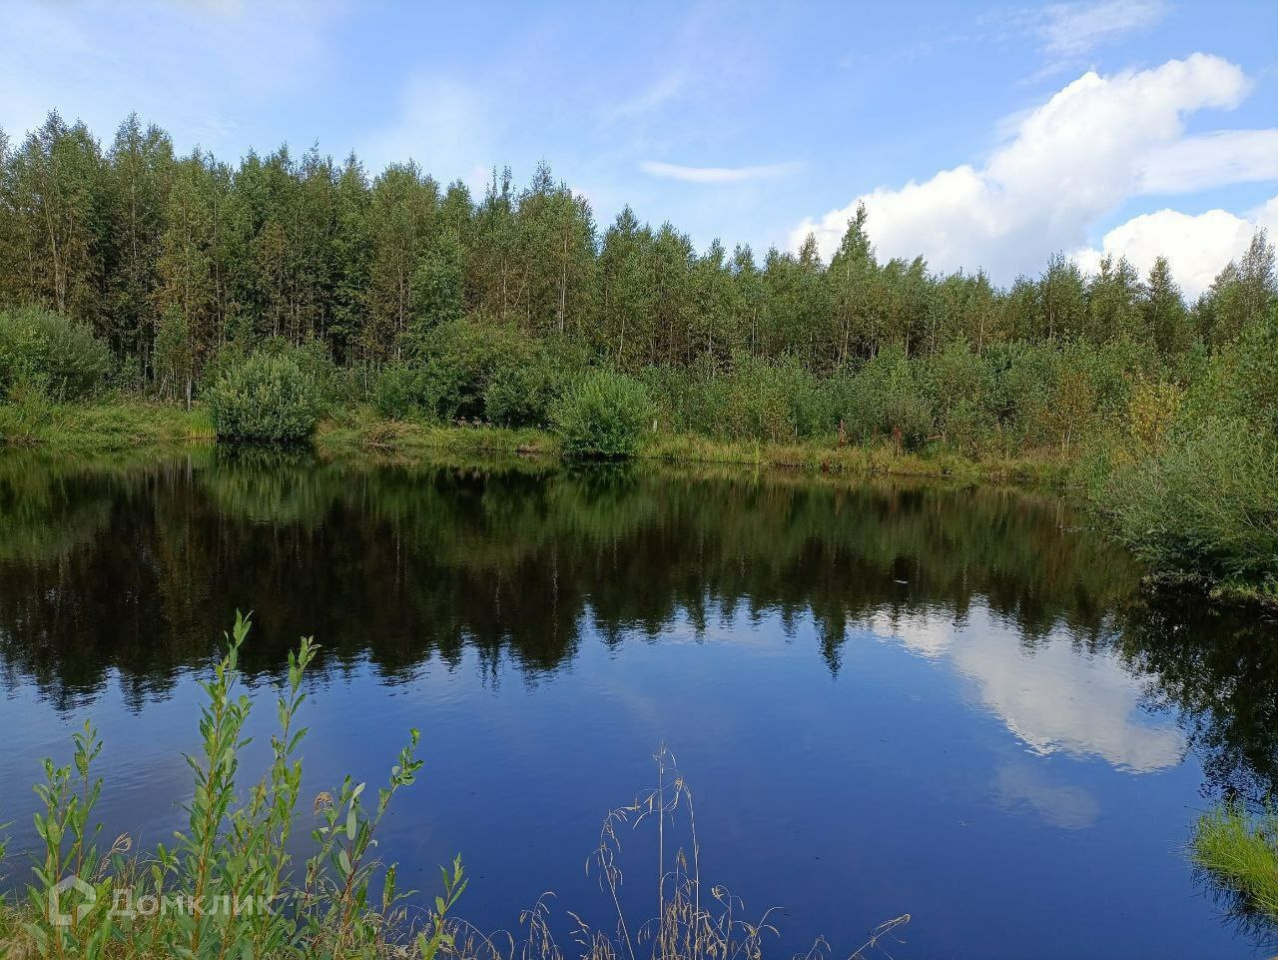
x=980, y=134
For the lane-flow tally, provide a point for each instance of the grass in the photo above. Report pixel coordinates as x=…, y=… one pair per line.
x=228, y=886
x=1239, y=852
x=828, y=457
x=113, y=424
x=361, y=429
x=120, y=423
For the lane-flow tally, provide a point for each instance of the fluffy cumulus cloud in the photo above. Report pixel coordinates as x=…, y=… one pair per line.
x=1095, y=144
x=1196, y=246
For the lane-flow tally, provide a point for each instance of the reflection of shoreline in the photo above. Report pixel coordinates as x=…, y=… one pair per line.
x=129, y=565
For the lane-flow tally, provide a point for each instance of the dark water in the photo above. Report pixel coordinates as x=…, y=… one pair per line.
x=887, y=699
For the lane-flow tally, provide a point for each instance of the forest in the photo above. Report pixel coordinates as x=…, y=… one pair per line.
x=170, y=259
x=284, y=289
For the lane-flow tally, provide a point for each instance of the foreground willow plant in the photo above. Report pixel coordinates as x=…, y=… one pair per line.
x=226, y=887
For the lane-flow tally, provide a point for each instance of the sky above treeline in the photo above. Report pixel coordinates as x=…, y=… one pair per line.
x=978, y=134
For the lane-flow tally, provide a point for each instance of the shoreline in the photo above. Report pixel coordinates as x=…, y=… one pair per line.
x=128, y=424
x=132, y=424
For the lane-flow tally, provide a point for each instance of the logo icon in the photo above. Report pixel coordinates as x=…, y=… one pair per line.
x=86, y=891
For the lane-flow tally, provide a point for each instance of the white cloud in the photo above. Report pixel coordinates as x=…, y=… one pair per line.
x=1073, y=29
x=1197, y=247
x=1213, y=160
x=653, y=97
x=1069, y=162
x=674, y=171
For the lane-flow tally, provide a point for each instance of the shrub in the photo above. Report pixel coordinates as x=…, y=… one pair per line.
x=960, y=388
x=522, y=395
x=1206, y=504
x=267, y=398
x=1025, y=378
x=777, y=402
x=1241, y=380
x=887, y=397
x=326, y=381
x=457, y=361
x=680, y=401
x=752, y=403
x=400, y=393
x=602, y=415
x=231, y=864
x=44, y=350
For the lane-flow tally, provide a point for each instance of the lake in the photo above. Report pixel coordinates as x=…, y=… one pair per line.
x=885, y=697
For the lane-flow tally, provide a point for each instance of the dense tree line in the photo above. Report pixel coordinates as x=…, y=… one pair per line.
x=170, y=258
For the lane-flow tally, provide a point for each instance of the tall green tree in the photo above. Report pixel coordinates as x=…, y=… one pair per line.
x=1113, y=298
x=402, y=224
x=138, y=175
x=1062, y=300
x=1163, y=312
x=53, y=187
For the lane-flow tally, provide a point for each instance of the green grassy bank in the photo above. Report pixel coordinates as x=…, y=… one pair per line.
x=121, y=423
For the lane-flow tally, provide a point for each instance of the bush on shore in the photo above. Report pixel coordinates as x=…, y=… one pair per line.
x=1196, y=491
x=602, y=415
x=1207, y=503
x=42, y=350
x=264, y=399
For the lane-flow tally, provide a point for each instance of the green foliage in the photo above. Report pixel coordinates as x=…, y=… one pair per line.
x=1241, y=380
x=266, y=398
x=328, y=385
x=456, y=361
x=441, y=306
x=1207, y=503
x=477, y=369
x=45, y=351
x=169, y=258
x=401, y=393
x=227, y=886
x=1240, y=853
x=521, y=395
x=439, y=284
x=759, y=400
x=887, y=398
x=961, y=389
x=602, y=415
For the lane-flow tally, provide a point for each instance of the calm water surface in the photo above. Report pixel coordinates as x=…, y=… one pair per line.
x=886, y=698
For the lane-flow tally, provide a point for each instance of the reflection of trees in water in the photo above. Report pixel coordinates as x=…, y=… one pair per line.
x=1217, y=666
x=135, y=567
x=38, y=521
